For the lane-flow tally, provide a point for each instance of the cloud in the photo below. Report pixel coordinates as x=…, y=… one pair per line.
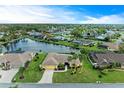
x=35, y=14
x=109, y=19
x=55, y=14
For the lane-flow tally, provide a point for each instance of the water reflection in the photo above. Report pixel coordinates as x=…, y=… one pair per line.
x=27, y=44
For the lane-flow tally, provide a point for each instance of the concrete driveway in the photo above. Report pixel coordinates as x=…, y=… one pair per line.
x=7, y=75
x=47, y=76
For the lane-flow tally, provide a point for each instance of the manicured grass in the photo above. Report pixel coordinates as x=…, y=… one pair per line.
x=32, y=73
x=65, y=43
x=89, y=75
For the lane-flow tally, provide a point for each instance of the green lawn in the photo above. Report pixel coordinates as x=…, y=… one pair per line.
x=88, y=75
x=32, y=73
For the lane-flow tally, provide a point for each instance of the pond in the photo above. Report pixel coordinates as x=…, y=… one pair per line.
x=27, y=44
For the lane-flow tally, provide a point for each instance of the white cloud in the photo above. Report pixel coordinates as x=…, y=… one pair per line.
x=48, y=14
x=35, y=14
x=110, y=19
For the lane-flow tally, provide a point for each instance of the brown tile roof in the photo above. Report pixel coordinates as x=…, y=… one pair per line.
x=55, y=59
x=16, y=59
x=111, y=45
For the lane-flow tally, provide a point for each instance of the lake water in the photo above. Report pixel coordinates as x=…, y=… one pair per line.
x=27, y=44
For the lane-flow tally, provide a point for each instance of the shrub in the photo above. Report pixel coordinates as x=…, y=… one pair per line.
x=118, y=64
x=37, y=57
x=36, y=54
x=26, y=64
x=21, y=77
x=35, y=60
x=41, y=68
x=61, y=66
x=100, y=76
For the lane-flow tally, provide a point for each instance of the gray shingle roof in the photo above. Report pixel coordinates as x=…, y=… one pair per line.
x=109, y=57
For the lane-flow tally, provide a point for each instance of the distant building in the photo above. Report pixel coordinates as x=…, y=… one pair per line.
x=101, y=37
x=36, y=34
x=88, y=34
x=110, y=46
x=110, y=32
x=58, y=38
x=84, y=42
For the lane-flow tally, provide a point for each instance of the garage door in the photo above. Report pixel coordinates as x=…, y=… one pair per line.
x=50, y=67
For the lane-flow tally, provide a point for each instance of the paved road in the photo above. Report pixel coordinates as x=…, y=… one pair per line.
x=7, y=75
x=64, y=85
x=47, y=76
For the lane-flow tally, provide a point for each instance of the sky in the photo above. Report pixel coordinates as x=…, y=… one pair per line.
x=73, y=14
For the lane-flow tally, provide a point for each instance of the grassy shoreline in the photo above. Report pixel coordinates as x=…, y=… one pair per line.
x=68, y=44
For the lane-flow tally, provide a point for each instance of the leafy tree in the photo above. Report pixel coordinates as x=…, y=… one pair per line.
x=83, y=51
x=101, y=30
x=77, y=32
x=107, y=39
x=121, y=48
x=70, y=58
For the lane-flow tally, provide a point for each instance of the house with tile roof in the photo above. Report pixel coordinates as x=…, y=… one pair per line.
x=16, y=60
x=54, y=59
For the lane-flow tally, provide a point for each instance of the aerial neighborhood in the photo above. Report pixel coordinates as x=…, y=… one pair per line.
x=61, y=53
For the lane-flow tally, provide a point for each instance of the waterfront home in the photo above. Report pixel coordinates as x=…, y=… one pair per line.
x=84, y=42
x=88, y=43
x=15, y=60
x=36, y=34
x=54, y=59
x=79, y=42
x=58, y=38
x=106, y=59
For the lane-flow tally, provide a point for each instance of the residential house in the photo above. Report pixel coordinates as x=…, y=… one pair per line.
x=16, y=60
x=106, y=59
x=110, y=46
x=84, y=42
x=36, y=34
x=58, y=38
x=54, y=59
x=101, y=37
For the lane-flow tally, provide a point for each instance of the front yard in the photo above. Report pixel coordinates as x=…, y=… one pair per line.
x=32, y=73
x=89, y=75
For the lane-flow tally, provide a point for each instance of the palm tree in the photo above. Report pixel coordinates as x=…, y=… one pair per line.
x=70, y=58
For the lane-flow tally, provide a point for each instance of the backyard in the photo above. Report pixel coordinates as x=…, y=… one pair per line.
x=31, y=73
